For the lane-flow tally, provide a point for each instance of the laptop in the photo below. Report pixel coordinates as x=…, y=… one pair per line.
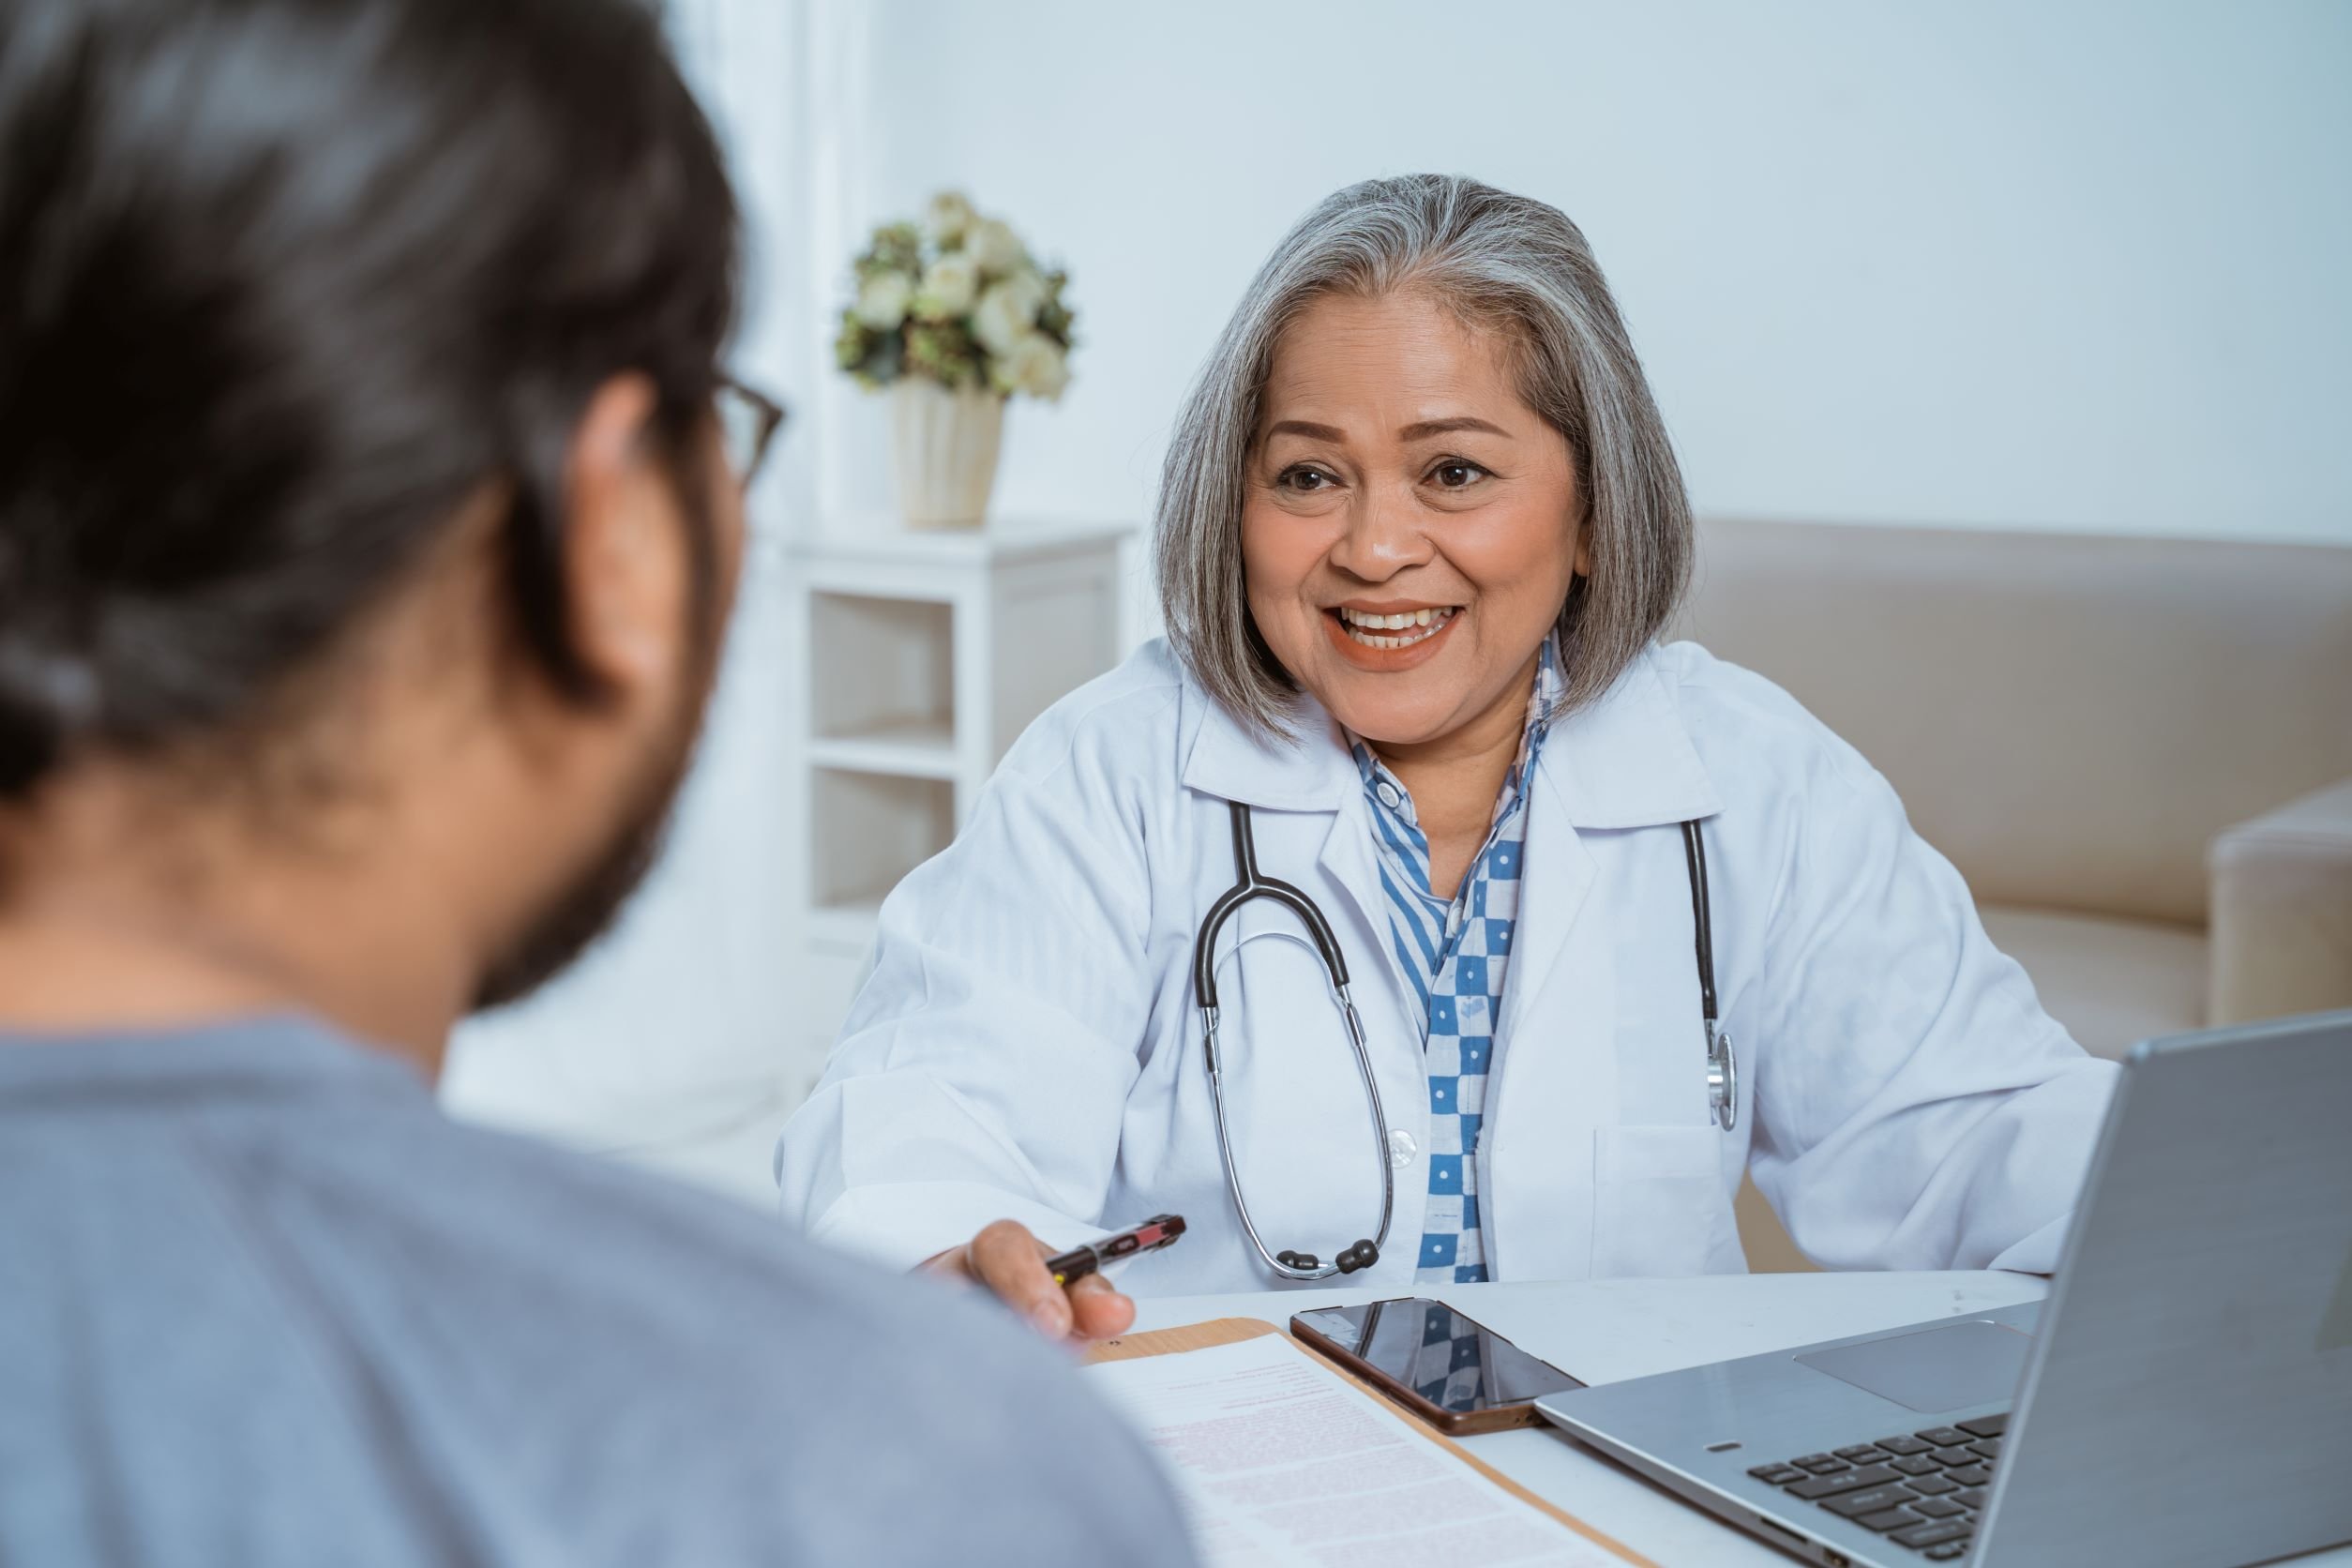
x=2182, y=1399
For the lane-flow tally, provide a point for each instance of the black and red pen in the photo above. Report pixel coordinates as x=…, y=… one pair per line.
x=1091, y=1257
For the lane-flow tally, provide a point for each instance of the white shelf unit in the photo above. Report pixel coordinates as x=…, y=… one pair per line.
x=927, y=654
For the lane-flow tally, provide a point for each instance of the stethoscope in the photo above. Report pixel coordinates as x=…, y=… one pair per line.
x=1723, y=1073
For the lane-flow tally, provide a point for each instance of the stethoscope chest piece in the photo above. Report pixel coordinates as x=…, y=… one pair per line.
x=1723, y=1079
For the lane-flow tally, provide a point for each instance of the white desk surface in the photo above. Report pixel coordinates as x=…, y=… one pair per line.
x=1604, y=1331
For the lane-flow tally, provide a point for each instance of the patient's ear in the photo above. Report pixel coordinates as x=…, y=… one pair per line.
x=625, y=551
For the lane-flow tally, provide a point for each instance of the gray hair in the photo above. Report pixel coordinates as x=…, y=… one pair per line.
x=1502, y=263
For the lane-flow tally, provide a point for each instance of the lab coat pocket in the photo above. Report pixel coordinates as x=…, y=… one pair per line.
x=1660, y=1205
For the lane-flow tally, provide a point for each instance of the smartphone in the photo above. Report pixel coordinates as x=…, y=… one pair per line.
x=1451, y=1370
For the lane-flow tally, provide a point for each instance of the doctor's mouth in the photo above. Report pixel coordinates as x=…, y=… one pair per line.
x=1390, y=636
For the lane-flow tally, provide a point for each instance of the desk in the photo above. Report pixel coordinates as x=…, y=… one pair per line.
x=1604, y=1331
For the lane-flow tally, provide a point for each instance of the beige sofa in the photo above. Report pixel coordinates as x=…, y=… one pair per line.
x=2138, y=751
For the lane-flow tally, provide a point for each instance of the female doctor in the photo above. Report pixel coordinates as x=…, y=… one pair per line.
x=1419, y=530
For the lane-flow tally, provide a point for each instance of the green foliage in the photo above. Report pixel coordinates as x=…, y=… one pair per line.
x=944, y=351
x=896, y=248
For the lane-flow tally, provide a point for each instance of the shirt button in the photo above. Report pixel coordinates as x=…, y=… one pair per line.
x=1401, y=1148
x=1387, y=791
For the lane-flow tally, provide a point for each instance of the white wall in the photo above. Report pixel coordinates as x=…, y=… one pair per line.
x=2077, y=265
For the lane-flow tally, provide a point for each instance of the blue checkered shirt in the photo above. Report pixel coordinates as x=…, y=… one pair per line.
x=1457, y=952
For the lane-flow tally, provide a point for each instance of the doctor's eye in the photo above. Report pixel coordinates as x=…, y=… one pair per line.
x=1304, y=479
x=1456, y=474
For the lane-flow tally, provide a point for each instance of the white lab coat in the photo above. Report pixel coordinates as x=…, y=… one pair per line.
x=1027, y=1046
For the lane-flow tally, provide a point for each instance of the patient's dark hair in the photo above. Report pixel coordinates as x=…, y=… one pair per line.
x=283, y=282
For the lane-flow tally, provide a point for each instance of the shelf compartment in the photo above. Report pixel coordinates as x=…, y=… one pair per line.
x=870, y=829
x=908, y=747
x=837, y=931
x=882, y=680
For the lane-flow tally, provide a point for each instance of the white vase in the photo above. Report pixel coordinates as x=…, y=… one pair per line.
x=946, y=445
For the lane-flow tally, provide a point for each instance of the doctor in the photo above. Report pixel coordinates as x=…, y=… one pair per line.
x=1419, y=528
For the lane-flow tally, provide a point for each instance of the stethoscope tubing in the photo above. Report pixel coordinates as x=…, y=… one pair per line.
x=1723, y=1068
x=1723, y=1081
x=1254, y=884
x=1279, y=1263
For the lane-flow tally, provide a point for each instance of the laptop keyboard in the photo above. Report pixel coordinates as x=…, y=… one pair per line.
x=1924, y=1489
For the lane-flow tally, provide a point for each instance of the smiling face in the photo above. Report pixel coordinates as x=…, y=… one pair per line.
x=1410, y=531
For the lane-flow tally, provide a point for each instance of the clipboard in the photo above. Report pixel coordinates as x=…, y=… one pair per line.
x=1230, y=1330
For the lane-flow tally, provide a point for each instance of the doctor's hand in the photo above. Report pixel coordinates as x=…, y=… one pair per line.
x=1011, y=1263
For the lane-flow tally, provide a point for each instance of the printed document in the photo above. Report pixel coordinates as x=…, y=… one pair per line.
x=1281, y=1460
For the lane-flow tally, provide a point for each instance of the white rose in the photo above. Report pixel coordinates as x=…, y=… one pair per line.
x=994, y=246
x=1007, y=310
x=948, y=288
x=881, y=304
x=1035, y=364
x=950, y=214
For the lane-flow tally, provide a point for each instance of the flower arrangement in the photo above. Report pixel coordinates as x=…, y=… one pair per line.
x=956, y=300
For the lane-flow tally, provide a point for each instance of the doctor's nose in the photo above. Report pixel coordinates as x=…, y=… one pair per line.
x=1385, y=535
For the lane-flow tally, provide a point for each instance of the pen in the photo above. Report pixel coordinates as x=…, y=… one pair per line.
x=1090, y=1257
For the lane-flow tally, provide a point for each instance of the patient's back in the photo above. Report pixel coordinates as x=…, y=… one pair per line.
x=261, y=1303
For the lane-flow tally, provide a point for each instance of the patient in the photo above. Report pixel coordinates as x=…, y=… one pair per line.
x=369, y=513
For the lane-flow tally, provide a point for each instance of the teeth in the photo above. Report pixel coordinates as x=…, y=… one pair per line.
x=1418, y=625
x=1394, y=622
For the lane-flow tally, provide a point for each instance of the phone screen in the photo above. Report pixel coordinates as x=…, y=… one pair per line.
x=1453, y=1362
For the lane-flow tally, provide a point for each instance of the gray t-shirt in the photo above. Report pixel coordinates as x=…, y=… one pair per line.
x=262, y=1304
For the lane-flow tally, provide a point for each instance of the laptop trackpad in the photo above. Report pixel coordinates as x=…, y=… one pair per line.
x=1975, y=1363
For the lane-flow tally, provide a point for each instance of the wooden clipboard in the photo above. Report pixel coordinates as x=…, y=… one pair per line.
x=1230, y=1330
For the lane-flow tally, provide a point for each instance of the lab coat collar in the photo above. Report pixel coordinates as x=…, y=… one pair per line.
x=1308, y=770
x=1626, y=760
x=1623, y=761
